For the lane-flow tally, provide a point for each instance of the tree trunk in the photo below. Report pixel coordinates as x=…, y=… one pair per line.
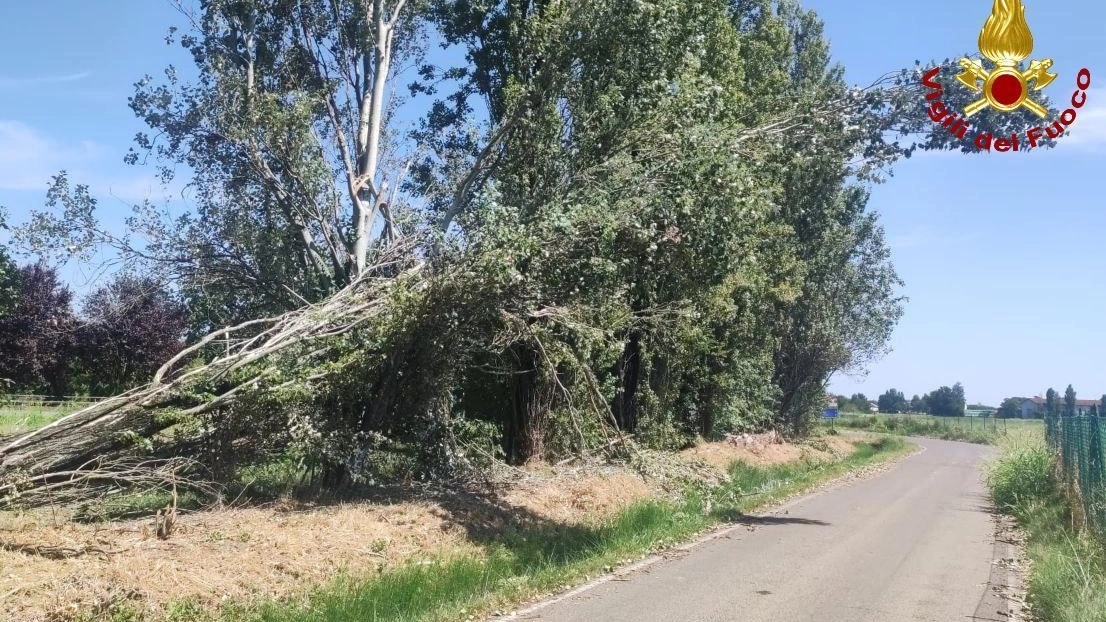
x=628, y=370
x=531, y=403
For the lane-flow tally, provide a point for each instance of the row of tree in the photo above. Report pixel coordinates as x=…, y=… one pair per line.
x=944, y=402
x=642, y=215
x=122, y=332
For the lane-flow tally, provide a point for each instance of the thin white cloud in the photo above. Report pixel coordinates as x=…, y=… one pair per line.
x=29, y=158
x=21, y=81
x=1088, y=133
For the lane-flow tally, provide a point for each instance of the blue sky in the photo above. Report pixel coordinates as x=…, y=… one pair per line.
x=1003, y=255
x=64, y=85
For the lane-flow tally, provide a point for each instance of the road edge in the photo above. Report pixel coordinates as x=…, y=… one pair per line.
x=621, y=573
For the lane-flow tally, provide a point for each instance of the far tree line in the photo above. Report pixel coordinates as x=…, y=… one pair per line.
x=950, y=402
x=114, y=339
x=943, y=402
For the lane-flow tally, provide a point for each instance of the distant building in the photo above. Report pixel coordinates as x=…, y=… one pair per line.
x=1034, y=407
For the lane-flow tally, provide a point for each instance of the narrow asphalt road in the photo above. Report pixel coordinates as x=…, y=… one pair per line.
x=914, y=543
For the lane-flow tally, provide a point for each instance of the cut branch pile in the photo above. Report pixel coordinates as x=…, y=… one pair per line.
x=101, y=478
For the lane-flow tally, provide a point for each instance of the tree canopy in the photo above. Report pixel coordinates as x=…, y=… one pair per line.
x=1069, y=401
x=1010, y=408
x=129, y=327
x=36, y=333
x=947, y=401
x=893, y=402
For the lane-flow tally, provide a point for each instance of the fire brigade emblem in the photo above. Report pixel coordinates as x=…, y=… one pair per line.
x=1007, y=42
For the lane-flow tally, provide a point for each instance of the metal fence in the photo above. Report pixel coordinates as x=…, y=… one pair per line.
x=1079, y=443
x=16, y=401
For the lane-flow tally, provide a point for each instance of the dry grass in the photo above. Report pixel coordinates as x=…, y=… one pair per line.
x=579, y=498
x=280, y=549
x=275, y=551
x=762, y=450
x=219, y=554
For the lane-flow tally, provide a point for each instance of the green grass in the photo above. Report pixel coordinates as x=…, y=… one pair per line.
x=14, y=420
x=537, y=557
x=982, y=431
x=1067, y=581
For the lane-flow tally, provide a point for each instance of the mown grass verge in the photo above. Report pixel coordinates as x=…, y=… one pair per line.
x=971, y=430
x=527, y=561
x=1067, y=581
x=15, y=420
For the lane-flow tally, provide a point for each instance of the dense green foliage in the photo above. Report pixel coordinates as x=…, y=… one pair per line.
x=858, y=403
x=1069, y=401
x=125, y=331
x=1051, y=404
x=946, y=401
x=643, y=218
x=9, y=274
x=1010, y=407
x=129, y=327
x=893, y=402
x=37, y=333
x=1021, y=476
x=918, y=405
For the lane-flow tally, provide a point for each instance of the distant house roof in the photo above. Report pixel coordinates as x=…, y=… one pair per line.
x=1040, y=401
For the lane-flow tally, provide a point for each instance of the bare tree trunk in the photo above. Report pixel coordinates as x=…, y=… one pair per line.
x=371, y=192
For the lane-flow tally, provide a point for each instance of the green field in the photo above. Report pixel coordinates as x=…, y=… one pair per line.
x=971, y=429
x=16, y=419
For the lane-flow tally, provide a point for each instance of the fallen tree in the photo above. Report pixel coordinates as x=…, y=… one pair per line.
x=332, y=381
x=254, y=346
x=396, y=352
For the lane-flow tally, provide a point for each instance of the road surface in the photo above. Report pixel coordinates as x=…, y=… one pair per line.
x=914, y=543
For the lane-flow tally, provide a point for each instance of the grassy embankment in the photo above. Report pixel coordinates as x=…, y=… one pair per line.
x=982, y=431
x=1067, y=580
x=525, y=562
x=17, y=419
